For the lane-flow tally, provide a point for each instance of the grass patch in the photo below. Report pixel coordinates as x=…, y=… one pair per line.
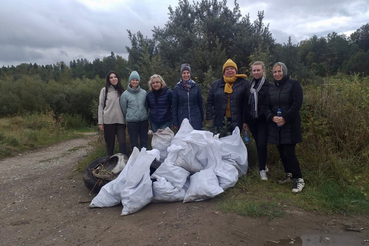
x=253, y=208
x=32, y=131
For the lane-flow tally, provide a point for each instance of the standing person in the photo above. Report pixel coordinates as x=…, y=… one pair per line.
x=227, y=98
x=159, y=101
x=254, y=114
x=285, y=131
x=110, y=117
x=187, y=100
x=133, y=105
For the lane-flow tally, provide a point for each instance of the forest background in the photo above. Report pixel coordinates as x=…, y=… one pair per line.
x=332, y=69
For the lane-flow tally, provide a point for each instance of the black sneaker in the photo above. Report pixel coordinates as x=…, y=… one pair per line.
x=298, y=185
x=287, y=179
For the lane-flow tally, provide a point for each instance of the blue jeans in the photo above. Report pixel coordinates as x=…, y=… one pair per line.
x=156, y=126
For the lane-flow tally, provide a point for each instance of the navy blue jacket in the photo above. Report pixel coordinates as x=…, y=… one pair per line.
x=187, y=105
x=160, y=112
x=286, y=95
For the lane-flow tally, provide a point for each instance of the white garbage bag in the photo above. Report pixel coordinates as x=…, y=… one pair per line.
x=161, y=141
x=203, y=185
x=183, y=131
x=164, y=191
x=133, y=186
x=234, y=149
x=177, y=176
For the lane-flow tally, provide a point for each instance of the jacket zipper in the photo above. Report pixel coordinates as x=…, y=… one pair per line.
x=188, y=105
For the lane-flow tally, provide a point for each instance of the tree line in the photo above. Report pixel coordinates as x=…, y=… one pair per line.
x=205, y=34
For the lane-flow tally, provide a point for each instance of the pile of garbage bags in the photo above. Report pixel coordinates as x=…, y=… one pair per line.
x=196, y=165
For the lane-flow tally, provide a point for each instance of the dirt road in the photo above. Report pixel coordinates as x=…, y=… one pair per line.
x=44, y=202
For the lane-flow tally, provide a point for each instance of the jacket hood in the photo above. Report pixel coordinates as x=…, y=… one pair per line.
x=129, y=88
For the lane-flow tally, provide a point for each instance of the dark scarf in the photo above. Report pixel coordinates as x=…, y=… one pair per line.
x=157, y=94
x=186, y=84
x=253, y=99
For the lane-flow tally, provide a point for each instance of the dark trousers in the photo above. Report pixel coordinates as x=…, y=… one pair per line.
x=110, y=130
x=289, y=160
x=259, y=131
x=138, y=130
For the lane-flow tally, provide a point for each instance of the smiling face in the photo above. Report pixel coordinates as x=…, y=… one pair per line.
x=186, y=75
x=257, y=71
x=230, y=72
x=277, y=72
x=134, y=83
x=113, y=79
x=156, y=85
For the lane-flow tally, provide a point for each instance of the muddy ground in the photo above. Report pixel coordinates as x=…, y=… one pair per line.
x=43, y=201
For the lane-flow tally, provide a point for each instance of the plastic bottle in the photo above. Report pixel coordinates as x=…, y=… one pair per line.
x=246, y=137
x=279, y=114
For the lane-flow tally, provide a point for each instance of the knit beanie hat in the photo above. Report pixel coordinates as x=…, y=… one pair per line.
x=184, y=67
x=230, y=63
x=284, y=67
x=134, y=75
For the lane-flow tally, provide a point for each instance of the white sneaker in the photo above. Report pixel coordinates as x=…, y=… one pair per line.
x=298, y=185
x=266, y=169
x=263, y=175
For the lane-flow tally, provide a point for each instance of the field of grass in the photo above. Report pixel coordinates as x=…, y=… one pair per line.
x=20, y=133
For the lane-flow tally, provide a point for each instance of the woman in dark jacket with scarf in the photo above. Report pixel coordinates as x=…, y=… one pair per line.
x=254, y=114
x=187, y=100
x=159, y=101
x=285, y=131
x=227, y=97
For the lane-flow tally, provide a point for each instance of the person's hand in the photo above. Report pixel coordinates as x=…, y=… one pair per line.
x=279, y=120
x=245, y=127
x=101, y=127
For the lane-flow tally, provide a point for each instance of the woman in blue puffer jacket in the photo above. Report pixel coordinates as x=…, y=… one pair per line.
x=187, y=100
x=159, y=101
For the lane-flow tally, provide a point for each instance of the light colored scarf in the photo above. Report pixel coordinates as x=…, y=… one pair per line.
x=253, y=100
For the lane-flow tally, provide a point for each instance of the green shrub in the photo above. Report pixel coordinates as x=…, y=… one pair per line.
x=74, y=121
x=2, y=136
x=12, y=141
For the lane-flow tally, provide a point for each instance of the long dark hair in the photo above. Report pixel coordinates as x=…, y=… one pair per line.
x=120, y=88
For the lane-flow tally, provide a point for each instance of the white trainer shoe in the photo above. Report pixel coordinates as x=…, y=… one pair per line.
x=263, y=175
x=298, y=185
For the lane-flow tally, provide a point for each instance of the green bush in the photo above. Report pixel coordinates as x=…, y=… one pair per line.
x=12, y=141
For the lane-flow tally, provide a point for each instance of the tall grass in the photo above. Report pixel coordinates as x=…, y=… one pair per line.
x=35, y=130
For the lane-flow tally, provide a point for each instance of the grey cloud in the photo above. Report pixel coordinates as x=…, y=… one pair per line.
x=47, y=32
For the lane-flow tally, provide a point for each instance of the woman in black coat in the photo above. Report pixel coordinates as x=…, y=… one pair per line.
x=227, y=98
x=254, y=114
x=285, y=130
x=187, y=100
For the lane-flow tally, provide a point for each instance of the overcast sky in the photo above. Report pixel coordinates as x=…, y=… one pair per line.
x=50, y=31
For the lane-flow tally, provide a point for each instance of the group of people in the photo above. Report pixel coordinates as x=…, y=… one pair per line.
x=269, y=110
